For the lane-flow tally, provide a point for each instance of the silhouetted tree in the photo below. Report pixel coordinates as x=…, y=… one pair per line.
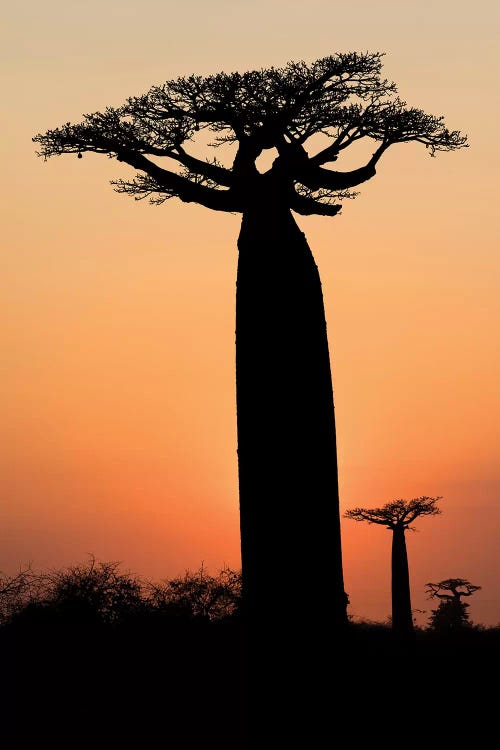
x=287, y=464
x=398, y=517
x=451, y=614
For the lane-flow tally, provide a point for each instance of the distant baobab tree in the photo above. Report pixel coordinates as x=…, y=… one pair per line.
x=287, y=460
x=398, y=517
x=451, y=614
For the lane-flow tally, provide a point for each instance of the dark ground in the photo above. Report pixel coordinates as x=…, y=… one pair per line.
x=185, y=685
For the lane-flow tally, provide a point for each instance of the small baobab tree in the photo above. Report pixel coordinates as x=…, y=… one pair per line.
x=305, y=117
x=398, y=516
x=451, y=614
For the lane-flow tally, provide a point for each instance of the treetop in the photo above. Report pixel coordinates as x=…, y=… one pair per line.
x=451, y=588
x=398, y=513
x=339, y=100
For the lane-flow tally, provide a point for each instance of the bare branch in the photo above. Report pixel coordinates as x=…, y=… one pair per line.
x=209, y=169
x=17, y=591
x=451, y=589
x=318, y=177
x=170, y=183
x=308, y=206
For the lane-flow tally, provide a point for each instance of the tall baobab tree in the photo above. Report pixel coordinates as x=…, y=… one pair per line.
x=398, y=517
x=306, y=116
x=451, y=613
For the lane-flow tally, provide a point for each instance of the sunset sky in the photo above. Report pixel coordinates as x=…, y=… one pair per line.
x=118, y=416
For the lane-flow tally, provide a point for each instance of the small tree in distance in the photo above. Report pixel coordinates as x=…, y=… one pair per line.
x=398, y=517
x=451, y=614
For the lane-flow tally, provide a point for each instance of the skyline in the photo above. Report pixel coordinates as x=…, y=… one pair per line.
x=120, y=426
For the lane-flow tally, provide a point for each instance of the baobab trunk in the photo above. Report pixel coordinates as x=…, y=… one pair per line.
x=293, y=589
x=287, y=459
x=402, y=620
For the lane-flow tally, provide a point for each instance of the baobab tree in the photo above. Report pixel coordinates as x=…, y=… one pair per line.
x=305, y=116
x=398, y=517
x=451, y=614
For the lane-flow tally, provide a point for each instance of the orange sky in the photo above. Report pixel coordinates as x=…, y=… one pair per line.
x=118, y=427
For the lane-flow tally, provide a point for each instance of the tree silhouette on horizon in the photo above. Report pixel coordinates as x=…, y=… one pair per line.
x=451, y=614
x=286, y=434
x=397, y=516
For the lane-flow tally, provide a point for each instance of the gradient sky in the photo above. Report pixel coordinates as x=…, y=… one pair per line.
x=118, y=427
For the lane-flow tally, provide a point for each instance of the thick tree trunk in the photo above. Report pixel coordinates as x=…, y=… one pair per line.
x=402, y=620
x=287, y=460
x=293, y=589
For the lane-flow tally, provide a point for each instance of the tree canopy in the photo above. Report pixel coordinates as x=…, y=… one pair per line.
x=397, y=513
x=328, y=105
x=451, y=588
x=451, y=616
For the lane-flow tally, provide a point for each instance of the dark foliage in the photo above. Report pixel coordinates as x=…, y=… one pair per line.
x=167, y=674
x=100, y=594
x=451, y=615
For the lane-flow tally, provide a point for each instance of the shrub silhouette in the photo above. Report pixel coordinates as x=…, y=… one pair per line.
x=17, y=592
x=100, y=593
x=198, y=594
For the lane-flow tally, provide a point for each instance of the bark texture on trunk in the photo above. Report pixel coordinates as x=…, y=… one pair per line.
x=287, y=459
x=402, y=620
